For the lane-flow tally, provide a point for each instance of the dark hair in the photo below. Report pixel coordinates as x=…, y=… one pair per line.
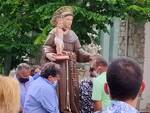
x=50, y=69
x=124, y=78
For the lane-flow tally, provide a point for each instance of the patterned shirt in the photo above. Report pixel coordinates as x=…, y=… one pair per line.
x=85, y=96
x=120, y=107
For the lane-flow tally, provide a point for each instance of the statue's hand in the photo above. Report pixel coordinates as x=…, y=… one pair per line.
x=51, y=56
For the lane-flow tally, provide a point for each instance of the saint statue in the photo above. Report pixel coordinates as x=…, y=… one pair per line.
x=68, y=86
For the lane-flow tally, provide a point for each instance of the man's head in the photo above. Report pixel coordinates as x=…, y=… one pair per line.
x=23, y=70
x=99, y=65
x=65, y=12
x=50, y=71
x=124, y=79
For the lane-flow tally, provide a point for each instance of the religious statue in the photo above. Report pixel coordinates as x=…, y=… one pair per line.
x=68, y=84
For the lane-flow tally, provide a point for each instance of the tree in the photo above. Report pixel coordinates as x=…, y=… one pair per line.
x=24, y=24
x=17, y=26
x=98, y=13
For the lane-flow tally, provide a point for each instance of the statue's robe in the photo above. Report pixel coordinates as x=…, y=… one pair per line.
x=76, y=53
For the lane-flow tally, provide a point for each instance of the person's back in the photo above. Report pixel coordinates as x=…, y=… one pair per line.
x=85, y=94
x=124, y=83
x=34, y=96
x=41, y=96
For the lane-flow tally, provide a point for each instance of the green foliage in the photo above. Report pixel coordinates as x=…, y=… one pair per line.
x=121, y=8
x=89, y=13
x=24, y=24
x=17, y=24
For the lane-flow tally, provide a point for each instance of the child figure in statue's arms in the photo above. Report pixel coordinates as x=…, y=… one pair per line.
x=58, y=31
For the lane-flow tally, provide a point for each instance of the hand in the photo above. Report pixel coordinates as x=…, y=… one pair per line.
x=51, y=56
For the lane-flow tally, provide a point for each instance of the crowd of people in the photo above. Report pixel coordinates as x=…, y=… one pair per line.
x=112, y=88
x=54, y=87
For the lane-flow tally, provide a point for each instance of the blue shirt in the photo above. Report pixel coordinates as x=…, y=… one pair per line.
x=41, y=97
x=35, y=76
x=120, y=107
x=23, y=90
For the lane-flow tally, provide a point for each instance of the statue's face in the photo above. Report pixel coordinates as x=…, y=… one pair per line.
x=67, y=22
x=59, y=22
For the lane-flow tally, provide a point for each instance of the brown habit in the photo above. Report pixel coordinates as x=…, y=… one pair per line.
x=72, y=45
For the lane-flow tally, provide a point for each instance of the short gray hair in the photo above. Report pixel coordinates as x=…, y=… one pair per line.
x=23, y=66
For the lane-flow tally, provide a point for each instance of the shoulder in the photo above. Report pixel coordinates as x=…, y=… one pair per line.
x=31, y=78
x=51, y=34
x=48, y=89
x=85, y=83
x=73, y=34
x=43, y=83
x=40, y=85
x=50, y=39
x=52, y=31
x=37, y=82
x=70, y=37
x=105, y=111
x=102, y=76
x=97, y=79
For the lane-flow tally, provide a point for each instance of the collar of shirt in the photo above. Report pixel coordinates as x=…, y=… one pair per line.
x=120, y=107
x=103, y=73
x=49, y=82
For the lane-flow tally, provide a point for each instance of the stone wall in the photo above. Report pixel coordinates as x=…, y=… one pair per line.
x=131, y=43
x=131, y=40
